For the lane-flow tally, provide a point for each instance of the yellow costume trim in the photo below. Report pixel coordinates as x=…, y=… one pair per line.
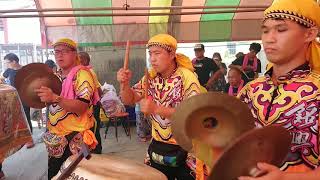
x=66, y=42
x=169, y=43
x=304, y=12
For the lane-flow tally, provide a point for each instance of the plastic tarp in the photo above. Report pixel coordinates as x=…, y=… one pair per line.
x=116, y=30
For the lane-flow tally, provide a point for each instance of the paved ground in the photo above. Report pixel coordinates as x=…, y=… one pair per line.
x=31, y=164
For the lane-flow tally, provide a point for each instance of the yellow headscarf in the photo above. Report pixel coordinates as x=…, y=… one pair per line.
x=169, y=43
x=69, y=43
x=304, y=12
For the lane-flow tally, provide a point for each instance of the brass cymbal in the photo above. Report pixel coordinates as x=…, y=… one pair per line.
x=213, y=118
x=268, y=144
x=33, y=76
x=27, y=69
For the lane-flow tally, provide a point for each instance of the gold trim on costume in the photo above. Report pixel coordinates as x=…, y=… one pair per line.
x=292, y=16
x=164, y=46
x=64, y=44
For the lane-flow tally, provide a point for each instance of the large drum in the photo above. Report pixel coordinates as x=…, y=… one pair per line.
x=104, y=167
x=14, y=130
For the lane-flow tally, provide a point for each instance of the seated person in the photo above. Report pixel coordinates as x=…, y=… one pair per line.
x=235, y=81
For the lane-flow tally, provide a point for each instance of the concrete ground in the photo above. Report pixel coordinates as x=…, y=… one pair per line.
x=31, y=164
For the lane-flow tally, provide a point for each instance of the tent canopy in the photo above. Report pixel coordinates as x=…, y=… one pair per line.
x=117, y=29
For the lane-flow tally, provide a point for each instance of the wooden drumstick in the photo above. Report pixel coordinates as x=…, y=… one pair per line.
x=84, y=153
x=126, y=59
x=146, y=85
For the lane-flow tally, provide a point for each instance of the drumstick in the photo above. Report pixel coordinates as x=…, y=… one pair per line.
x=126, y=59
x=84, y=153
x=146, y=85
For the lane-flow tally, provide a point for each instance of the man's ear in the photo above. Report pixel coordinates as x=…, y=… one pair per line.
x=312, y=34
x=172, y=54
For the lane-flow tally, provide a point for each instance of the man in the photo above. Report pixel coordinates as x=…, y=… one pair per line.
x=12, y=62
x=220, y=83
x=205, y=67
x=171, y=81
x=288, y=95
x=71, y=113
x=51, y=65
x=85, y=61
x=249, y=63
x=235, y=81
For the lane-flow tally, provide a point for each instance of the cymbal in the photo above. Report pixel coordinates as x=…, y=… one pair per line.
x=101, y=167
x=268, y=144
x=213, y=118
x=33, y=76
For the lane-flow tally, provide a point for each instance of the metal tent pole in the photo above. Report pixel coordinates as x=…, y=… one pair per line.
x=131, y=14
x=130, y=8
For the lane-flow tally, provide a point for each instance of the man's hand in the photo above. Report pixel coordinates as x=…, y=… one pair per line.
x=148, y=106
x=46, y=95
x=124, y=76
x=273, y=173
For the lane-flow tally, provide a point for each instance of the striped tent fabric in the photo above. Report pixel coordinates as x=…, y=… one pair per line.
x=116, y=30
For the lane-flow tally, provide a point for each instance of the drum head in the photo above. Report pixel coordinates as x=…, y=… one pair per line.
x=102, y=167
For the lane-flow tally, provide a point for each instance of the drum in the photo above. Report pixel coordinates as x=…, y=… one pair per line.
x=103, y=167
x=14, y=130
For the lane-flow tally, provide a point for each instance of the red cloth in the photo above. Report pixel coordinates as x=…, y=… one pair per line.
x=245, y=63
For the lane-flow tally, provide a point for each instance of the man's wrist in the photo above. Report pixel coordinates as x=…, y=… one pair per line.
x=57, y=99
x=124, y=86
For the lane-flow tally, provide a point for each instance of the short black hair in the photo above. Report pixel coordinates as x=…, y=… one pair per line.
x=50, y=63
x=216, y=54
x=255, y=46
x=12, y=57
x=84, y=55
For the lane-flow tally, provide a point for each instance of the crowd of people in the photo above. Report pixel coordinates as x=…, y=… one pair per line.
x=211, y=71
x=286, y=95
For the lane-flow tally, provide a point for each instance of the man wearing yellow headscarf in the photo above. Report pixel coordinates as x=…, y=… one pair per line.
x=71, y=112
x=171, y=81
x=289, y=93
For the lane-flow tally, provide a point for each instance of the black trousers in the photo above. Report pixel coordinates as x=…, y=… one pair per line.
x=96, y=114
x=180, y=173
x=27, y=112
